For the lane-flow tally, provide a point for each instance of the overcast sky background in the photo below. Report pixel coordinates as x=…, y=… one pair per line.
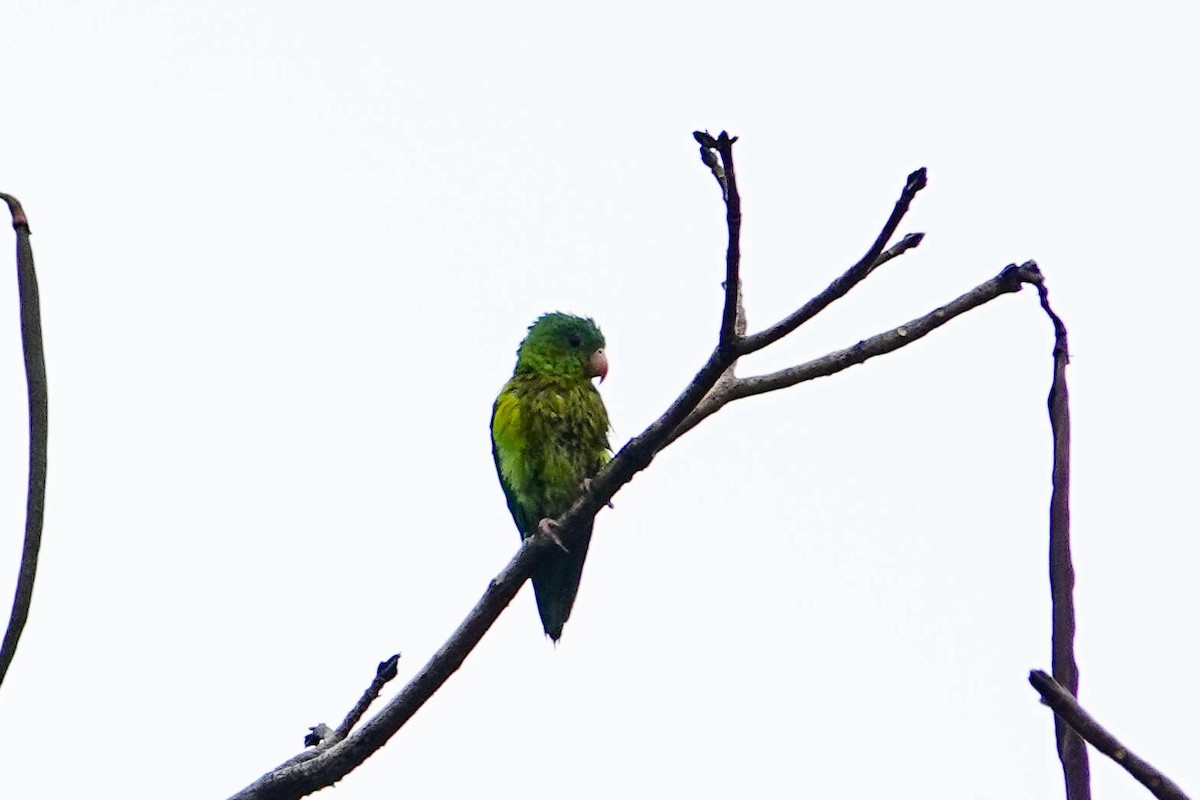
x=287, y=252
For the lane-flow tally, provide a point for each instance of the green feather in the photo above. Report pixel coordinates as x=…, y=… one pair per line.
x=549, y=434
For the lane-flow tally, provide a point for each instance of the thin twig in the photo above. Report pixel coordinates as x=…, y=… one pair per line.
x=385, y=672
x=321, y=737
x=297, y=778
x=1071, y=751
x=319, y=734
x=639, y=451
x=901, y=247
x=39, y=416
x=851, y=277
x=1069, y=713
x=733, y=256
x=708, y=154
x=1010, y=279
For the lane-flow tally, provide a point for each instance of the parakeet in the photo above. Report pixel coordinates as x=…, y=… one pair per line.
x=549, y=436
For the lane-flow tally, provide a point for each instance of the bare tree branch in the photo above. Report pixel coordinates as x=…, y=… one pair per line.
x=302, y=775
x=717, y=155
x=708, y=154
x=1068, y=713
x=1009, y=280
x=637, y=454
x=385, y=672
x=851, y=277
x=901, y=247
x=39, y=416
x=321, y=737
x=733, y=255
x=713, y=386
x=1071, y=751
x=296, y=778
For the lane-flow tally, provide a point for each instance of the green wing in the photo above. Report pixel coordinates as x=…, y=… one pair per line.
x=520, y=514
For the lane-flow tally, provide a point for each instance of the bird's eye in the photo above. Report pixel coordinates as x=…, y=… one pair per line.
x=574, y=340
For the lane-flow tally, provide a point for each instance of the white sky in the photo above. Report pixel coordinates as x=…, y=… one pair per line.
x=287, y=252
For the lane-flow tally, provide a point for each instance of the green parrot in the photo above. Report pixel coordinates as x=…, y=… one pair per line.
x=549, y=437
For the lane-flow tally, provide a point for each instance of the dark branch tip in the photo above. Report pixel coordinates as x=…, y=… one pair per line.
x=19, y=220
x=317, y=734
x=1013, y=276
x=387, y=669
x=913, y=239
x=917, y=181
x=704, y=139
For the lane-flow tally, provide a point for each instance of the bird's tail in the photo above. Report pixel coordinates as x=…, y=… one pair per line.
x=556, y=582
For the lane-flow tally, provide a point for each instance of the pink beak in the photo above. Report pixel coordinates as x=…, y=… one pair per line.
x=598, y=365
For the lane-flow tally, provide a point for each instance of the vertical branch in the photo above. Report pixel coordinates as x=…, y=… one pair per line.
x=733, y=254
x=1071, y=749
x=717, y=155
x=35, y=378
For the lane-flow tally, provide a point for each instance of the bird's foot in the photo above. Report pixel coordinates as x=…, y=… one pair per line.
x=586, y=486
x=549, y=529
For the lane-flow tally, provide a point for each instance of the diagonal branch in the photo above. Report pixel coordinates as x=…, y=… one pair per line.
x=873, y=258
x=713, y=386
x=321, y=737
x=39, y=415
x=1010, y=279
x=1071, y=751
x=901, y=247
x=1069, y=713
x=384, y=673
x=303, y=774
x=300, y=776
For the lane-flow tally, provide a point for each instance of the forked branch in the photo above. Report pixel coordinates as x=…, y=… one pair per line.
x=875, y=257
x=1010, y=280
x=713, y=386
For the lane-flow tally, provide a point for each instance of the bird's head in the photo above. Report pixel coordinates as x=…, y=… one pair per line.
x=563, y=345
